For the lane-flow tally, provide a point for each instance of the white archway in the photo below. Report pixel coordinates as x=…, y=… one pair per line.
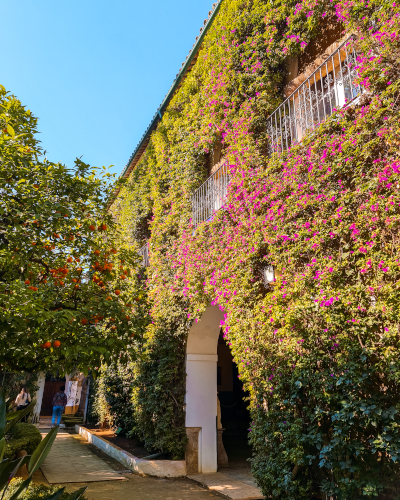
x=201, y=389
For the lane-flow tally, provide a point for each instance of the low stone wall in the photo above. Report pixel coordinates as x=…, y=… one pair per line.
x=159, y=468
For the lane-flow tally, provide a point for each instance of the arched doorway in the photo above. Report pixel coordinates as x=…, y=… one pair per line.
x=210, y=369
x=201, y=392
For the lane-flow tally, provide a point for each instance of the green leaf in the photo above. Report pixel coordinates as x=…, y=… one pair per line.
x=41, y=452
x=2, y=448
x=77, y=494
x=2, y=414
x=56, y=495
x=22, y=487
x=10, y=469
x=18, y=416
x=10, y=130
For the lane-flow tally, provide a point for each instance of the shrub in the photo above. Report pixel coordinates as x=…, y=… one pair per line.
x=14, y=446
x=29, y=432
x=35, y=491
x=112, y=396
x=23, y=437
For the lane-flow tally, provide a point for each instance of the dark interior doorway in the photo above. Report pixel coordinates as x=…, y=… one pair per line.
x=51, y=386
x=235, y=416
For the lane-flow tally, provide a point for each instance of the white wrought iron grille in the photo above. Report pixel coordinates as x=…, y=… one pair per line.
x=144, y=252
x=330, y=87
x=211, y=195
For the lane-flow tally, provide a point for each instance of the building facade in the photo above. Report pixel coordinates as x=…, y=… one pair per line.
x=246, y=198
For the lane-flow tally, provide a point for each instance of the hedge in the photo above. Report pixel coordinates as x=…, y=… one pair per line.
x=23, y=437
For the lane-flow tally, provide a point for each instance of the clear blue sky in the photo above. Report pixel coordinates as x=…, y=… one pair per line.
x=94, y=72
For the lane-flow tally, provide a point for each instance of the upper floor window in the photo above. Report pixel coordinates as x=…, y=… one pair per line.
x=327, y=88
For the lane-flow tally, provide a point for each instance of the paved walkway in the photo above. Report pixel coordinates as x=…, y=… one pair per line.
x=70, y=462
x=73, y=460
x=226, y=484
x=132, y=486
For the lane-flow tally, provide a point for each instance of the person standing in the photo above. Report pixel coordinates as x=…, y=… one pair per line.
x=22, y=401
x=59, y=403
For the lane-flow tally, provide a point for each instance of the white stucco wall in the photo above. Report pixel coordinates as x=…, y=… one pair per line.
x=39, y=397
x=201, y=385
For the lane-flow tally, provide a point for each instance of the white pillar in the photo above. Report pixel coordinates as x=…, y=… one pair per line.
x=39, y=397
x=201, y=406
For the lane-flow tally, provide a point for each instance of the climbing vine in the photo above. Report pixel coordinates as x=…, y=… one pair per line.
x=318, y=350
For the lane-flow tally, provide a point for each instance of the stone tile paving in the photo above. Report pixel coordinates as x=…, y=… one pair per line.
x=135, y=487
x=70, y=462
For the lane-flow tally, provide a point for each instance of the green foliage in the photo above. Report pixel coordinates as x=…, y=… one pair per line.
x=12, y=418
x=113, y=396
x=8, y=468
x=29, y=432
x=159, y=393
x=64, y=302
x=318, y=350
x=36, y=492
x=14, y=446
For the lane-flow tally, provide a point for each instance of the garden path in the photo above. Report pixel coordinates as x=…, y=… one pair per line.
x=134, y=487
x=69, y=461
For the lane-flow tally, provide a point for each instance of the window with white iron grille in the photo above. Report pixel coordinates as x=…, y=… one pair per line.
x=329, y=87
x=144, y=252
x=211, y=195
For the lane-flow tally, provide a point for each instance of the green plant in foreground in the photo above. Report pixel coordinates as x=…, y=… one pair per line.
x=8, y=469
x=41, y=492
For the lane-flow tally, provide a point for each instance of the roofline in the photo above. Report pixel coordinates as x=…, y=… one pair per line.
x=186, y=67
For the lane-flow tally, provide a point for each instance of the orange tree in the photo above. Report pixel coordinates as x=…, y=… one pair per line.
x=69, y=296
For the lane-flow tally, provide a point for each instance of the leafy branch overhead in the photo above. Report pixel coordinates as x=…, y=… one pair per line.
x=69, y=295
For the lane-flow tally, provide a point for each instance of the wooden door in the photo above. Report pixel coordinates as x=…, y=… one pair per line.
x=50, y=388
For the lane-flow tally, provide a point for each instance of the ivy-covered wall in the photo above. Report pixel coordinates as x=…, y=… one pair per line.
x=318, y=350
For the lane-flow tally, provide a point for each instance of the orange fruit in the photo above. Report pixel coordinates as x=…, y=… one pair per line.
x=117, y=292
x=84, y=321
x=36, y=186
x=104, y=227
x=97, y=252
x=123, y=276
x=92, y=227
x=56, y=343
x=33, y=243
x=127, y=318
x=69, y=259
x=47, y=345
x=27, y=282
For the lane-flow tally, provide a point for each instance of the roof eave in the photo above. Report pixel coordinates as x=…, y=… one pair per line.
x=141, y=147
